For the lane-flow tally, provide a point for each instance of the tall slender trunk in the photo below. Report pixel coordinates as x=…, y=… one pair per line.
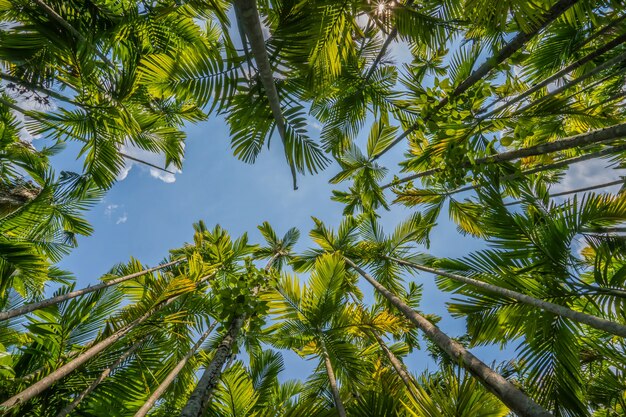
x=621, y=181
x=104, y=375
x=583, y=139
x=47, y=381
x=248, y=13
x=590, y=320
x=588, y=58
x=201, y=395
x=396, y=363
x=331, y=378
x=73, y=294
x=145, y=408
x=510, y=395
x=557, y=91
x=513, y=46
x=541, y=168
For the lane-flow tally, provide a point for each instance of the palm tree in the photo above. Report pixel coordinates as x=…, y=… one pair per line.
x=107, y=105
x=163, y=294
x=248, y=284
x=313, y=320
x=451, y=392
x=145, y=408
x=343, y=243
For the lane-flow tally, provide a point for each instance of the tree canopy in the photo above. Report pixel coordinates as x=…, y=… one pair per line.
x=474, y=107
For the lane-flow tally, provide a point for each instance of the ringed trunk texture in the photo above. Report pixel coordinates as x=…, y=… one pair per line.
x=333, y=381
x=248, y=13
x=55, y=300
x=201, y=395
x=513, y=46
x=173, y=374
x=590, y=320
x=510, y=395
x=104, y=375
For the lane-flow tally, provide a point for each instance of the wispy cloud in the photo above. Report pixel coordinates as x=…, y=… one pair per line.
x=588, y=173
x=314, y=124
x=110, y=209
x=151, y=158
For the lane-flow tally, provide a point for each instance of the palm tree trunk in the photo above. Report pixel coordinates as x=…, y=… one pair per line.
x=248, y=13
x=513, y=46
x=588, y=58
x=331, y=378
x=16, y=195
x=145, y=408
x=104, y=375
x=508, y=393
x=73, y=294
x=557, y=91
x=396, y=363
x=578, y=190
x=201, y=395
x=593, y=321
x=47, y=381
x=541, y=168
x=583, y=139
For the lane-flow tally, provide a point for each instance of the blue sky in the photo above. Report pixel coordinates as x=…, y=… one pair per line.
x=144, y=217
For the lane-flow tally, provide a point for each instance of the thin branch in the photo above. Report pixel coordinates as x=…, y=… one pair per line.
x=39, y=88
x=598, y=52
x=5, y=315
x=516, y=44
x=577, y=190
x=60, y=20
x=559, y=164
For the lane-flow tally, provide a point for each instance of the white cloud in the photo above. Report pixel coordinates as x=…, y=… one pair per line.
x=314, y=124
x=122, y=219
x=587, y=174
x=110, y=209
x=151, y=158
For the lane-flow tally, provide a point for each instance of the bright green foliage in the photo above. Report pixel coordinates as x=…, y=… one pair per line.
x=491, y=103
